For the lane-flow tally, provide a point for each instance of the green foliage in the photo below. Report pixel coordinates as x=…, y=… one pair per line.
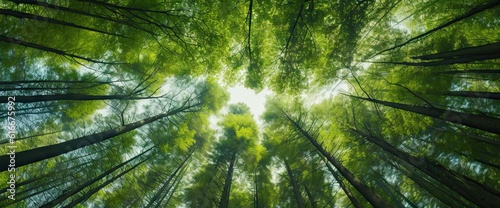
x=153, y=57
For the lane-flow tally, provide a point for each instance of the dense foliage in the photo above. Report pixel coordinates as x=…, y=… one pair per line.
x=124, y=103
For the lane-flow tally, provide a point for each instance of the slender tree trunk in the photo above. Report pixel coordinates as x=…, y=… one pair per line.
x=23, y=15
x=472, y=71
x=89, y=193
x=224, y=202
x=52, y=81
x=460, y=60
x=368, y=193
x=68, y=193
x=177, y=181
x=475, y=192
x=28, y=137
x=46, y=152
x=167, y=182
x=439, y=192
x=485, y=123
x=346, y=190
x=310, y=197
x=34, y=193
x=295, y=186
x=492, y=48
x=66, y=9
x=395, y=195
x=48, y=49
x=472, y=136
x=31, y=180
x=42, y=98
x=471, y=94
x=489, y=5
x=115, y=7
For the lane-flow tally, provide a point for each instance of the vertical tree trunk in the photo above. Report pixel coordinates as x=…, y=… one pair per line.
x=475, y=192
x=91, y=192
x=489, y=5
x=296, y=191
x=167, y=182
x=475, y=121
x=346, y=190
x=42, y=98
x=23, y=15
x=224, y=201
x=492, y=48
x=46, y=152
x=437, y=191
x=68, y=193
x=471, y=94
x=48, y=49
x=369, y=194
x=310, y=197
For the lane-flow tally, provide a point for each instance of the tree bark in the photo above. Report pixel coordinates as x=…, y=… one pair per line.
x=46, y=152
x=488, y=49
x=167, y=182
x=489, y=5
x=472, y=71
x=475, y=192
x=295, y=186
x=485, y=123
x=23, y=15
x=441, y=193
x=68, y=193
x=369, y=194
x=471, y=94
x=75, y=11
x=224, y=202
x=48, y=49
x=42, y=98
x=347, y=192
x=96, y=189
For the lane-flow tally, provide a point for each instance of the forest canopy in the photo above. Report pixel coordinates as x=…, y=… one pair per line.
x=372, y=103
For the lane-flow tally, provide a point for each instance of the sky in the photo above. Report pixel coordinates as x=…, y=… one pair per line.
x=240, y=94
x=255, y=101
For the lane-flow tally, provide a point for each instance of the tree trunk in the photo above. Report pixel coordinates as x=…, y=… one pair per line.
x=492, y=48
x=42, y=98
x=27, y=137
x=489, y=5
x=34, y=179
x=439, y=192
x=310, y=197
x=167, y=182
x=369, y=194
x=472, y=136
x=471, y=94
x=46, y=152
x=224, y=201
x=485, y=123
x=460, y=60
x=395, y=195
x=96, y=189
x=296, y=191
x=347, y=192
x=472, y=71
x=23, y=15
x=75, y=11
x=475, y=192
x=52, y=81
x=177, y=181
x=68, y=193
x=48, y=49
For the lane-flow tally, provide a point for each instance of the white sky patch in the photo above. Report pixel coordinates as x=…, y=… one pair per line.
x=255, y=101
x=240, y=94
